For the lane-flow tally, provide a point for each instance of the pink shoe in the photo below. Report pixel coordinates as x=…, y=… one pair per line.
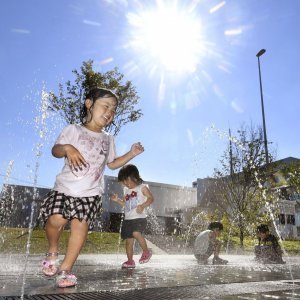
x=130, y=264
x=66, y=279
x=145, y=257
x=50, y=266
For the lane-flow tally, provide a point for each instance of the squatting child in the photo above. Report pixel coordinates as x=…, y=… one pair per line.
x=268, y=249
x=207, y=244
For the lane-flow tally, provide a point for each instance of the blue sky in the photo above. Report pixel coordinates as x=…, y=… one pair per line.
x=189, y=96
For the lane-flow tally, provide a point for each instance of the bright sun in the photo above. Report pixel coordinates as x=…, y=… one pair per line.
x=168, y=37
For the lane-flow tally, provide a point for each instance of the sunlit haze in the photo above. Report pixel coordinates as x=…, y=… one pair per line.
x=168, y=37
x=193, y=64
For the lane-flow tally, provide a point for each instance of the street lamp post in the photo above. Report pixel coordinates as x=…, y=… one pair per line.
x=260, y=53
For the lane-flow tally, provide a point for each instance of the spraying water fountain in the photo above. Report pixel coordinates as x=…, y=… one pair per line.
x=168, y=276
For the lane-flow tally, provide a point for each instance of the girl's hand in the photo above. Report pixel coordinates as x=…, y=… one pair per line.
x=140, y=209
x=114, y=197
x=137, y=148
x=74, y=157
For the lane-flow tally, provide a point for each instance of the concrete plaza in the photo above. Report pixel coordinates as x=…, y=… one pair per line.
x=164, y=277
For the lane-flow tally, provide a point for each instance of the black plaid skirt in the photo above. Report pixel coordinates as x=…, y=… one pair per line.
x=81, y=208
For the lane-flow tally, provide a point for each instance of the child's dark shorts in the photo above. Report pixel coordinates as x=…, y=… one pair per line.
x=81, y=208
x=134, y=225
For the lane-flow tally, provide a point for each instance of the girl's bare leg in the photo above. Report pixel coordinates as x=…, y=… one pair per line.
x=141, y=240
x=129, y=248
x=54, y=227
x=79, y=231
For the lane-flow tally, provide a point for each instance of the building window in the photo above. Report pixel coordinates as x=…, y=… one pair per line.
x=281, y=219
x=290, y=219
x=172, y=226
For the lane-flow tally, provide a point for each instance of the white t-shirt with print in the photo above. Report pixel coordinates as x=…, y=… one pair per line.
x=98, y=149
x=134, y=197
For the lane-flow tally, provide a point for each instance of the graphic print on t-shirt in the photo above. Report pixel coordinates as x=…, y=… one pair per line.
x=95, y=151
x=131, y=201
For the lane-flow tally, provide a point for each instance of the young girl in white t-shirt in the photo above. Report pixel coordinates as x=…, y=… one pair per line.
x=76, y=196
x=137, y=197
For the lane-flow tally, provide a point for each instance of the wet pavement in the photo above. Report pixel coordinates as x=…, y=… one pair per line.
x=164, y=277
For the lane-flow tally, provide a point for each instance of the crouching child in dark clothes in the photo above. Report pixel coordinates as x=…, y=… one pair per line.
x=268, y=250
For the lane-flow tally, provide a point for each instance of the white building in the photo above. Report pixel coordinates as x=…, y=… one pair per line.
x=288, y=218
x=172, y=204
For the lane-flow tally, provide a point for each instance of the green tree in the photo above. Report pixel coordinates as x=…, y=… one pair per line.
x=70, y=96
x=240, y=185
x=291, y=173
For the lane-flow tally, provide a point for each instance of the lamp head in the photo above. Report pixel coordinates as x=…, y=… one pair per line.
x=261, y=52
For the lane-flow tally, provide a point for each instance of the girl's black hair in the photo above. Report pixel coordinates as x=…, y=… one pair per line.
x=215, y=225
x=93, y=95
x=130, y=171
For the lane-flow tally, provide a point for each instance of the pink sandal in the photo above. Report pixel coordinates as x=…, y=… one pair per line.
x=50, y=267
x=66, y=279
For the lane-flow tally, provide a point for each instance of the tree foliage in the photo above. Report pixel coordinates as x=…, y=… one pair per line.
x=292, y=175
x=239, y=186
x=291, y=172
x=71, y=96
